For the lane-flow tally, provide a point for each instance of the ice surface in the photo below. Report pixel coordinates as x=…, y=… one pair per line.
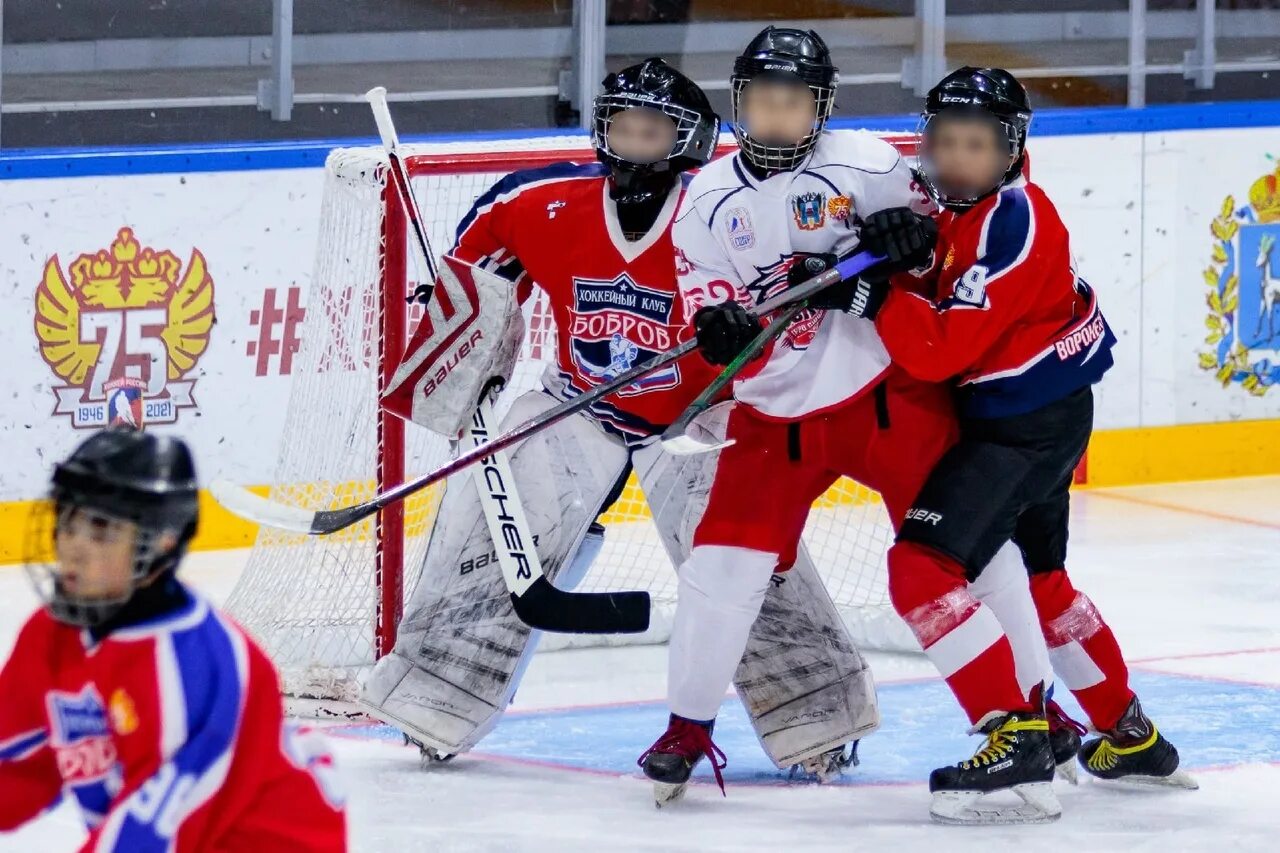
x=1188, y=575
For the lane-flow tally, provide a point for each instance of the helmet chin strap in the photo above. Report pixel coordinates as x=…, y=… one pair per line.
x=639, y=184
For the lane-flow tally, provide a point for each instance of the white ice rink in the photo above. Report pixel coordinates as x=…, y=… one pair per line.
x=1188, y=576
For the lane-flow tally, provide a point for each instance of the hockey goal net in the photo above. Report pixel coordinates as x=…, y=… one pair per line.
x=326, y=608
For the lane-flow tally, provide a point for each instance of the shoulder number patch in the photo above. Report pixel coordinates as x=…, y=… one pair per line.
x=971, y=288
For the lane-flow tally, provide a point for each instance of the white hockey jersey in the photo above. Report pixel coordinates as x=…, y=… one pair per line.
x=734, y=239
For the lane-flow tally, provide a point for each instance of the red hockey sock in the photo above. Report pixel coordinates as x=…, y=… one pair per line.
x=1084, y=652
x=960, y=634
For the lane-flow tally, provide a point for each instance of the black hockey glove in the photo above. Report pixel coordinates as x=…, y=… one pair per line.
x=724, y=331
x=804, y=266
x=904, y=237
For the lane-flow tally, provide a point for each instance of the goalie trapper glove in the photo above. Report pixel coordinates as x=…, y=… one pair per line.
x=724, y=331
x=903, y=237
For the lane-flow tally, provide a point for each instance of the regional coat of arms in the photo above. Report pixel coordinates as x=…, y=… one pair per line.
x=1243, y=279
x=124, y=331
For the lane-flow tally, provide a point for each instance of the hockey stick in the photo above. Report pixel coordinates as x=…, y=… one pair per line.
x=537, y=603
x=675, y=438
x=246, y=504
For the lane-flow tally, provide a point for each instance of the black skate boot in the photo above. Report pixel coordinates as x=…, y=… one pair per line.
x=671, y=759
x=1016, y=757
x=1064, y=740
x=1135, y=752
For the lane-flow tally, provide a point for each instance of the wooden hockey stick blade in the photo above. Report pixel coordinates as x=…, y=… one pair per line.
x=547, y=608
x=331, y=521
x=246, y=504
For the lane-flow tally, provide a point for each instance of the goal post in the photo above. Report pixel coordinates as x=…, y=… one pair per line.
x=325, y=608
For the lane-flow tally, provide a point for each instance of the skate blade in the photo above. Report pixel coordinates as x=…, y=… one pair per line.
x=666, y=793
x=1068, y=772
x=963, y=808
x=1179, y=780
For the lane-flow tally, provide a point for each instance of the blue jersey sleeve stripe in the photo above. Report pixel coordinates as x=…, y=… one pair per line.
x=519, y=180
x=23, y=745
x=1007, y=234
x=213, y=665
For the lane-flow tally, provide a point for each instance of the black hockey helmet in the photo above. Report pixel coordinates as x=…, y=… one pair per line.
x=118, y=475
x=989, y=92
x=784, y=53
x=655, y=85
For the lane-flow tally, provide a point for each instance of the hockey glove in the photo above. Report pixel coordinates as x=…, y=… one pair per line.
x=724, y=331
x=904, y=237
x=867, y=295
x=804, y=266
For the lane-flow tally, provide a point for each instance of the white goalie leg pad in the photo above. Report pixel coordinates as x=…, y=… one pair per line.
x=1003, y=586
x=460, y=645
x=806, y=687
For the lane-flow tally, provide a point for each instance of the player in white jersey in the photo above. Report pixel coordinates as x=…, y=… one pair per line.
x=823, y=401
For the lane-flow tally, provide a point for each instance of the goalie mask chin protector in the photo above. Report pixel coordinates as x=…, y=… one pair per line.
x=784, y=54
x=118, y=477
x=654, y=85
x=977, y=93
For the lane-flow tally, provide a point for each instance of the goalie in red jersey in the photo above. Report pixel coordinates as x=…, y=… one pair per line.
x=1001, y=311
x=137, y=698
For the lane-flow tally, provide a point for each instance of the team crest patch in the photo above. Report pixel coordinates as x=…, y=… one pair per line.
x=123, y=330
x=809, y=209
x=949, y=259
x=741, y=234
x=803, y=329
x=1243, y=281
x=124, y=716
x=84, y=750
x=617, y=324
x=839, y=208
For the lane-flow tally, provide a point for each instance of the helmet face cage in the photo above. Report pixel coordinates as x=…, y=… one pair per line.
x=780, y=158
x=43, y=567
x=695, y=133
x=1014, y=138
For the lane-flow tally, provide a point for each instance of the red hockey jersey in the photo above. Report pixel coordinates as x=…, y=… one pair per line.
x=170, y=736
x=614, y=301
x=1002, y=310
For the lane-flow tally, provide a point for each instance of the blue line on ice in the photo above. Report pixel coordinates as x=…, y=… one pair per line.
x=1212, y=722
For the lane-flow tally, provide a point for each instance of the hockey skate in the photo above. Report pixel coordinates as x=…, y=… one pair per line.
x=671, y=759
x=827, y=766
x=428, y=755
x=1135, y=753
x=1064, y=740
x=1016, y=758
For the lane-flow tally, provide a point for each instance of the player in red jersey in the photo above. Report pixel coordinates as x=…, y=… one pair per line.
x=596, y=239
x=821, y=402
x=133, y=695
x=1002, y=312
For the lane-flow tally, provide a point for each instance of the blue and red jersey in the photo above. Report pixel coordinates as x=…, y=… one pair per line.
x=170, y=736
x=1002, y=311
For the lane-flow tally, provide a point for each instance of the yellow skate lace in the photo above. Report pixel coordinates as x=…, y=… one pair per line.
x=1001, y=740
x=1107, y=755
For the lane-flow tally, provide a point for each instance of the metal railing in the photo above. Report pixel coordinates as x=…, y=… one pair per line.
x=585, y=42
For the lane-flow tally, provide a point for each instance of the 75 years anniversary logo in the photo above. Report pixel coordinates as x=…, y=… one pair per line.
x=123, y=329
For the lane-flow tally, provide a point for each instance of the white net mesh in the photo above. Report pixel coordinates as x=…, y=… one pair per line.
x=314, y=602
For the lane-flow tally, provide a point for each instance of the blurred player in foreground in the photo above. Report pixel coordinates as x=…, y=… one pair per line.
x=595, y=238
x=1001, y=311
x=133, y=695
